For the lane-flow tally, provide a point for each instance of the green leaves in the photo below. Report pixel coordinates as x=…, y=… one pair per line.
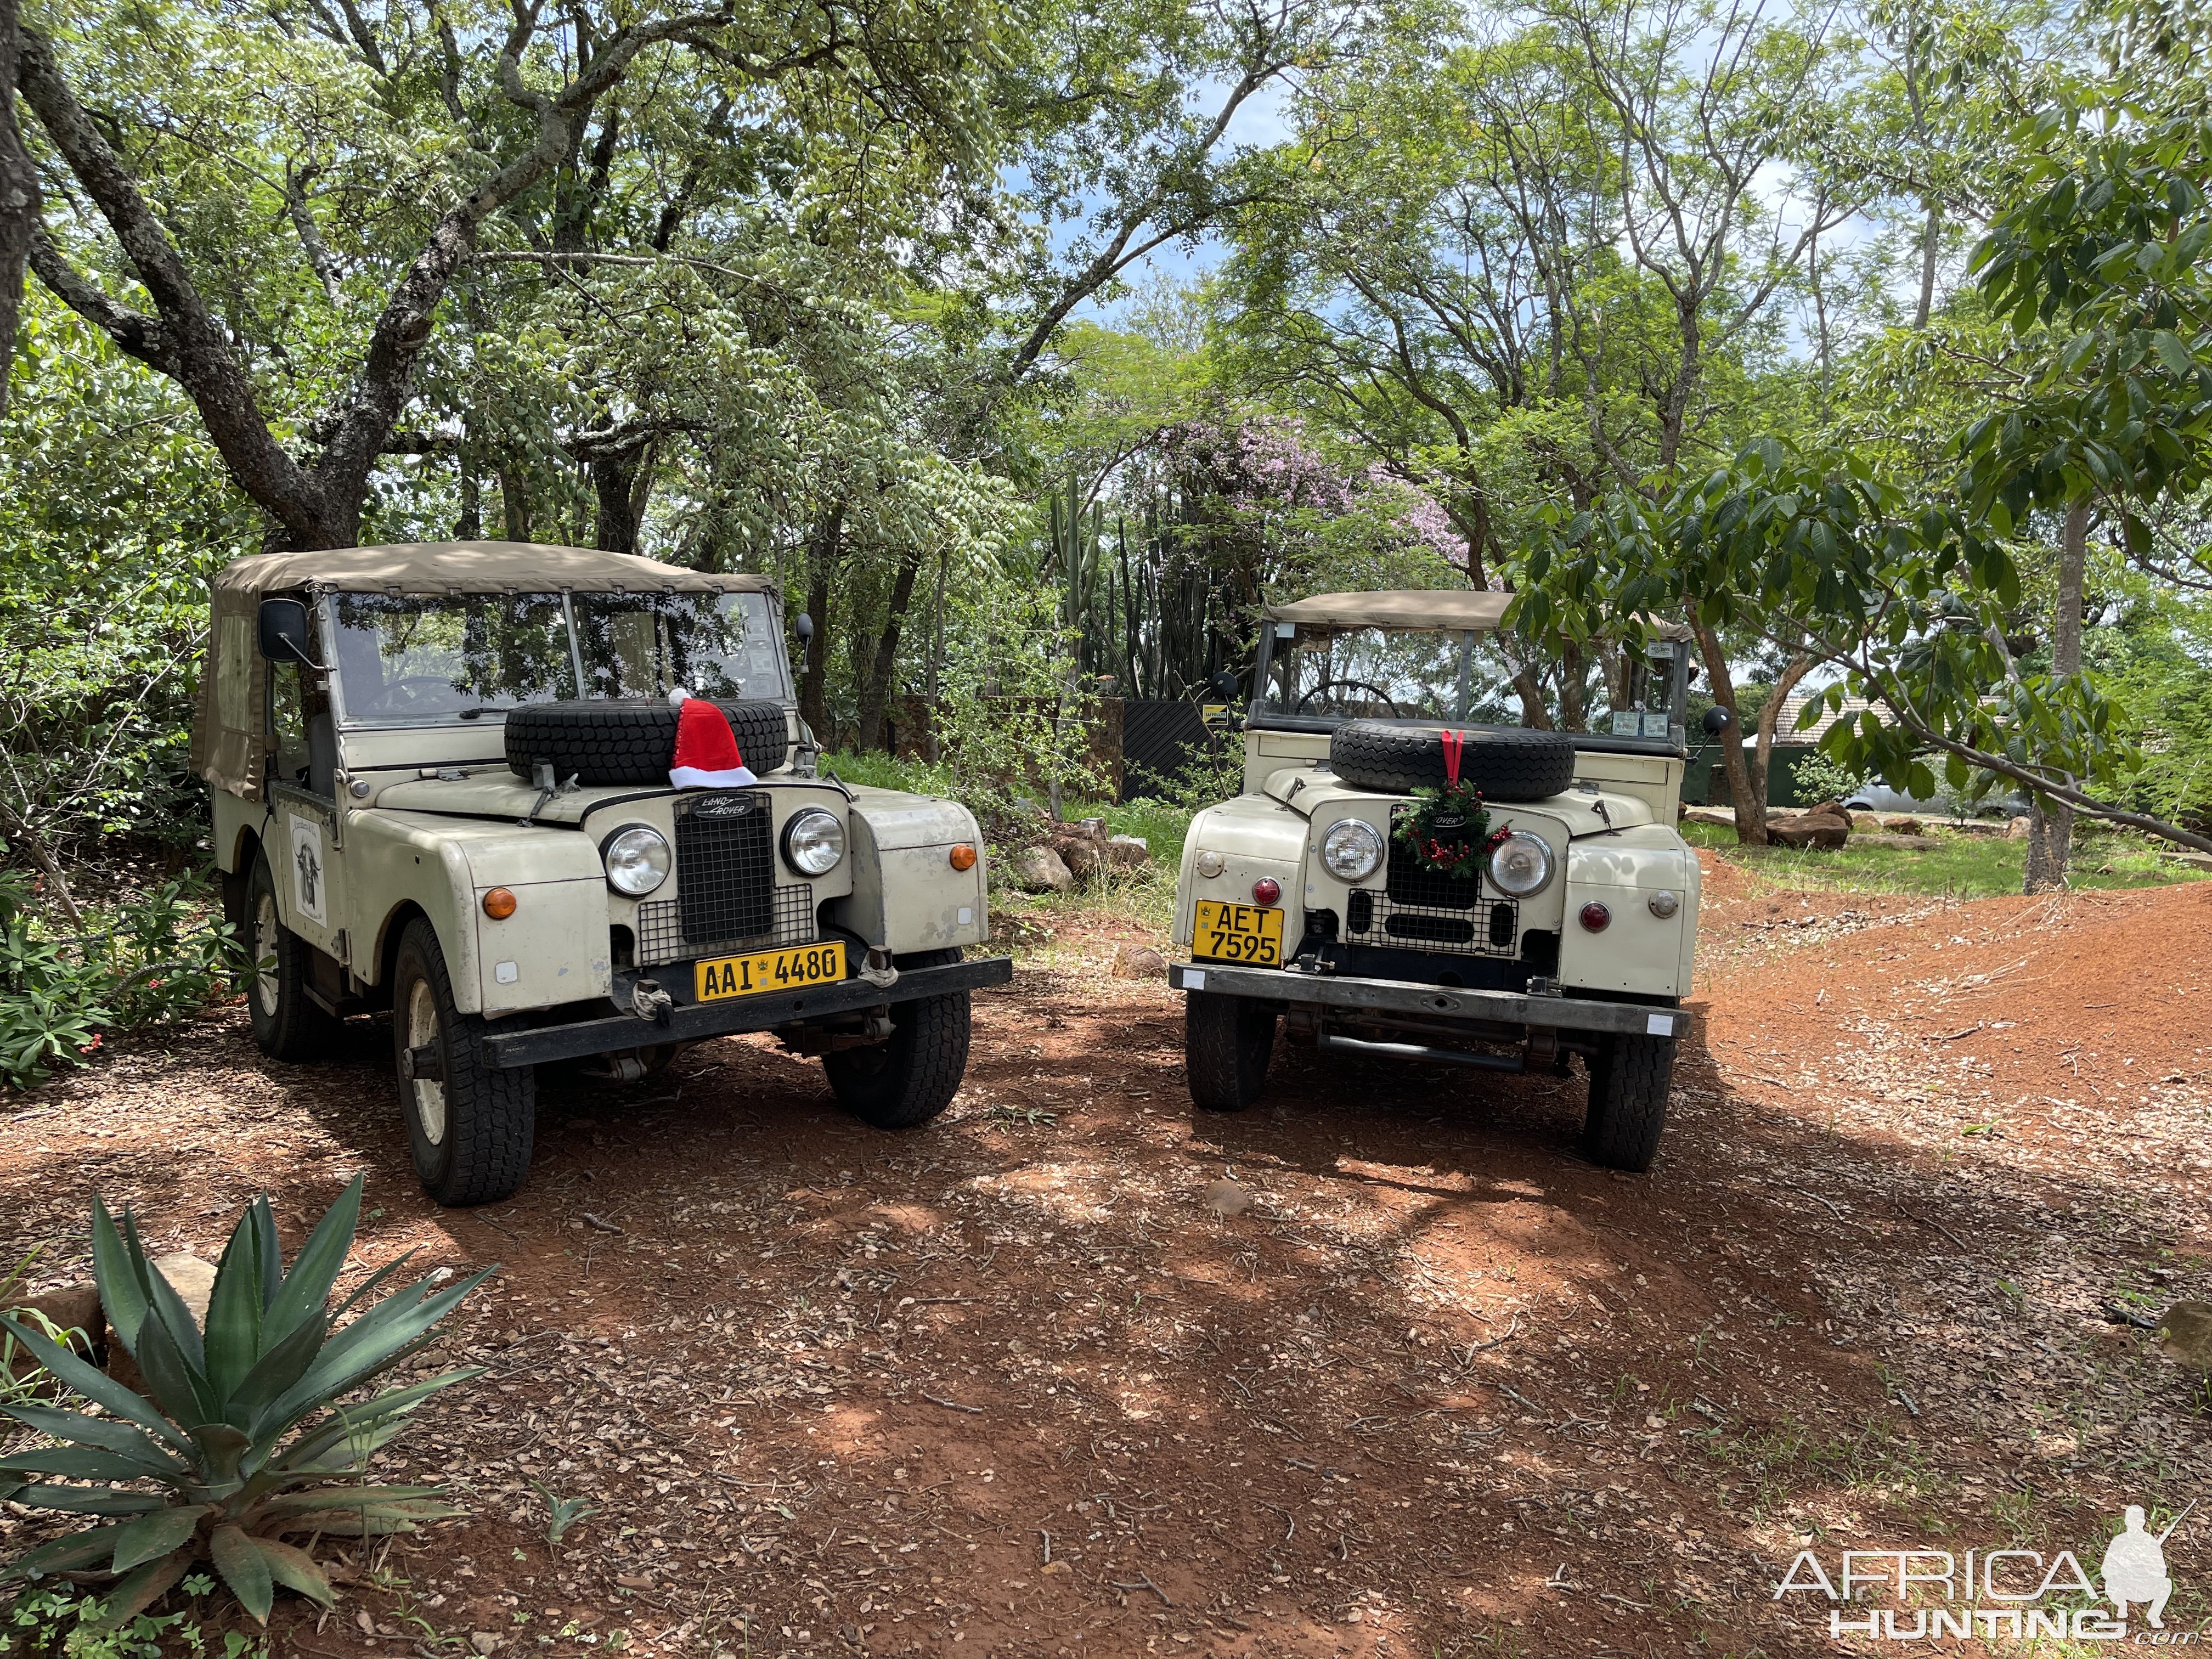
x=223, y=1399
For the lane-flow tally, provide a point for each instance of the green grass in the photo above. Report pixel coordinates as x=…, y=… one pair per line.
x=1964, y=865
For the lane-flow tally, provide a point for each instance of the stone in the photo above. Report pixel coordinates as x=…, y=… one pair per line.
x=1828, y=808
x=191, y=1279
x=483, y=1641
x=2017, y=829
x=72, y=1307
x=1128, y=851
x=1902, y=826
x=1866, y=824
x=2185, y=1336
x=1139, y=962
x=1719, y=817
x=1039, y=870
x=1227, y=1198
x=1081, y=858
x=1810, y=830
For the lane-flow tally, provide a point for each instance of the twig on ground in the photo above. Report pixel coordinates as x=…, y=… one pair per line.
x=1925, y=1221
x=1144, y=1582
x=604, y=1226
x=1816, y=1198
x=950, y=1405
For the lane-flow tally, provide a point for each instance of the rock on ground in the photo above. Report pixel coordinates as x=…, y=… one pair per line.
x=1139, y=962
x=1126, y=851
x=1039, y=870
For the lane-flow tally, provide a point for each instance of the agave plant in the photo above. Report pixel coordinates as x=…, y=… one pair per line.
x=219, y=1460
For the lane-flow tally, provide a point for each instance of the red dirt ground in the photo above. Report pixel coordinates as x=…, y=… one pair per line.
x=1016, y=1385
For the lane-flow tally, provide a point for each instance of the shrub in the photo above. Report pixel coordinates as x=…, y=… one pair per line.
x=217, y=1431
x=142, y=963
x=1819, y=778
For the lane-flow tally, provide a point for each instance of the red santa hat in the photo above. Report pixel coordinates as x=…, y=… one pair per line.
x=707, y=755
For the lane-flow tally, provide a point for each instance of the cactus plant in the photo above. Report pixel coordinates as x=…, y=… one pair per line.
x=219, y=1460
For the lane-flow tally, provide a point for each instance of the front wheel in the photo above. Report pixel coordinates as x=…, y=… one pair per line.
x=1629, y=1077
x=912, y=1076
x=1227, y=1042
x=286, y=1025
x=470, y=1123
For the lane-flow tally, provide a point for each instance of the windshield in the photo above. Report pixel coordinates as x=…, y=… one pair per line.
x=646, y=645
x=402, y=660
x=411, y=659
x=1366, y=673
x=1322, y=675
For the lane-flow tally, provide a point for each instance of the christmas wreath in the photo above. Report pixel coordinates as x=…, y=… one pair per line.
x=1448, y=829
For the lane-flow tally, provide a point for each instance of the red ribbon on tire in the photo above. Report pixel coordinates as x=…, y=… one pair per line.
x=1453, y=743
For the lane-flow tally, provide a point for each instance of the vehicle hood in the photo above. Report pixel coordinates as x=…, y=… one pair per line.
x=496, y=793
x=1310, y=791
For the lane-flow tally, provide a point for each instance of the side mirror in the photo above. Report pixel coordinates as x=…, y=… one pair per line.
x=804, y=627
x=1717, y=720
x=1224, y=686
x=284, y=634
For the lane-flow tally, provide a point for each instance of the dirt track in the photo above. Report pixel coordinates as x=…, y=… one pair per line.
x=1015, y=1384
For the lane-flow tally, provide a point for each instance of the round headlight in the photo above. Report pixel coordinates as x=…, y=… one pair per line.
x=813, y=842
x=1351, y=848
x=1522, y=864
x=638, y=859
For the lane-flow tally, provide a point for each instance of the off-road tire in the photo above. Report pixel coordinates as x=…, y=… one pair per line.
x=1506, y=763
x=629, y=742
x=1227, y=1042
x=1629, y=1077
x=286, y=1024
x=906, y=1081
x=490, y=1111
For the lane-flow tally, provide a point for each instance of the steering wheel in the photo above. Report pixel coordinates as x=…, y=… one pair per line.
x=414, y=685
x=1381, y=695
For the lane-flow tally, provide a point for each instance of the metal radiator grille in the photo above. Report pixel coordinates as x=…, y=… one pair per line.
x=726, y=896
x=1422, y=910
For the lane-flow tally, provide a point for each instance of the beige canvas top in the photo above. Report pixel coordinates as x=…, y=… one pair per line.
x=1447, y=610
x=230, y=739
x=471, y=568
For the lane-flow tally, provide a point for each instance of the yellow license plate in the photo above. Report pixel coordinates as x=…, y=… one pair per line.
x=1238, y=932
x=770, y=970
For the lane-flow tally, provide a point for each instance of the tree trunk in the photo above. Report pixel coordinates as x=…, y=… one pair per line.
x=469, y=527
x=513, y=505
x=621, y=483
x=821, y=564
x=1748, y=803
x=2050, y=829
x=18, y=201
x=1932, y=242
x=1770, y=717
x=876, y=689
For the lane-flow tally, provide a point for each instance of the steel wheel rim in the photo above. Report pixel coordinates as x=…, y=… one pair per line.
x=422, y=1028
x=265, y=930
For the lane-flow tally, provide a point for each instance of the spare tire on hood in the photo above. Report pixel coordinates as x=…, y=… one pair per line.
x=629, y=742
x=1506, y=763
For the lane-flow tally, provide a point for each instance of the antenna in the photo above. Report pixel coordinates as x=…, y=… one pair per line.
x=2176, y=1522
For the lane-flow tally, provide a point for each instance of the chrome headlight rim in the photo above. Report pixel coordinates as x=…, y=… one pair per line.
x=808, y=835
x=638, y=859
x=1358, y=843
x=1522, y=840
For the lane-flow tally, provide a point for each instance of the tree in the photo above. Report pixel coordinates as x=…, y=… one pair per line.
x=512, y=142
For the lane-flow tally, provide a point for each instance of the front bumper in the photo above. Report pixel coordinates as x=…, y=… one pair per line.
x=1561, y=1013
x=693, y=1021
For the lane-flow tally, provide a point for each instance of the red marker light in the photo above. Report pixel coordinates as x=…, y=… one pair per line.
x=1595, y=916
x=1266, y=890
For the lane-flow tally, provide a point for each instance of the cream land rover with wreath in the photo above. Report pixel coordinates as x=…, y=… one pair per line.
x=442, y=777
x=1412, y=872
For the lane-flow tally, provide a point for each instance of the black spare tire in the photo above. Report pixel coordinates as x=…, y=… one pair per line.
x=1506, y=763
x=629, y=741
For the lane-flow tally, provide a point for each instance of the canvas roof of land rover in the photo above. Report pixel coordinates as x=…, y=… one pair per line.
x=1441, y=610
x=228, y=736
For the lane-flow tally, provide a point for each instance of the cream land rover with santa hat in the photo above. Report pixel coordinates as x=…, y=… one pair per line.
x=554, y=806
